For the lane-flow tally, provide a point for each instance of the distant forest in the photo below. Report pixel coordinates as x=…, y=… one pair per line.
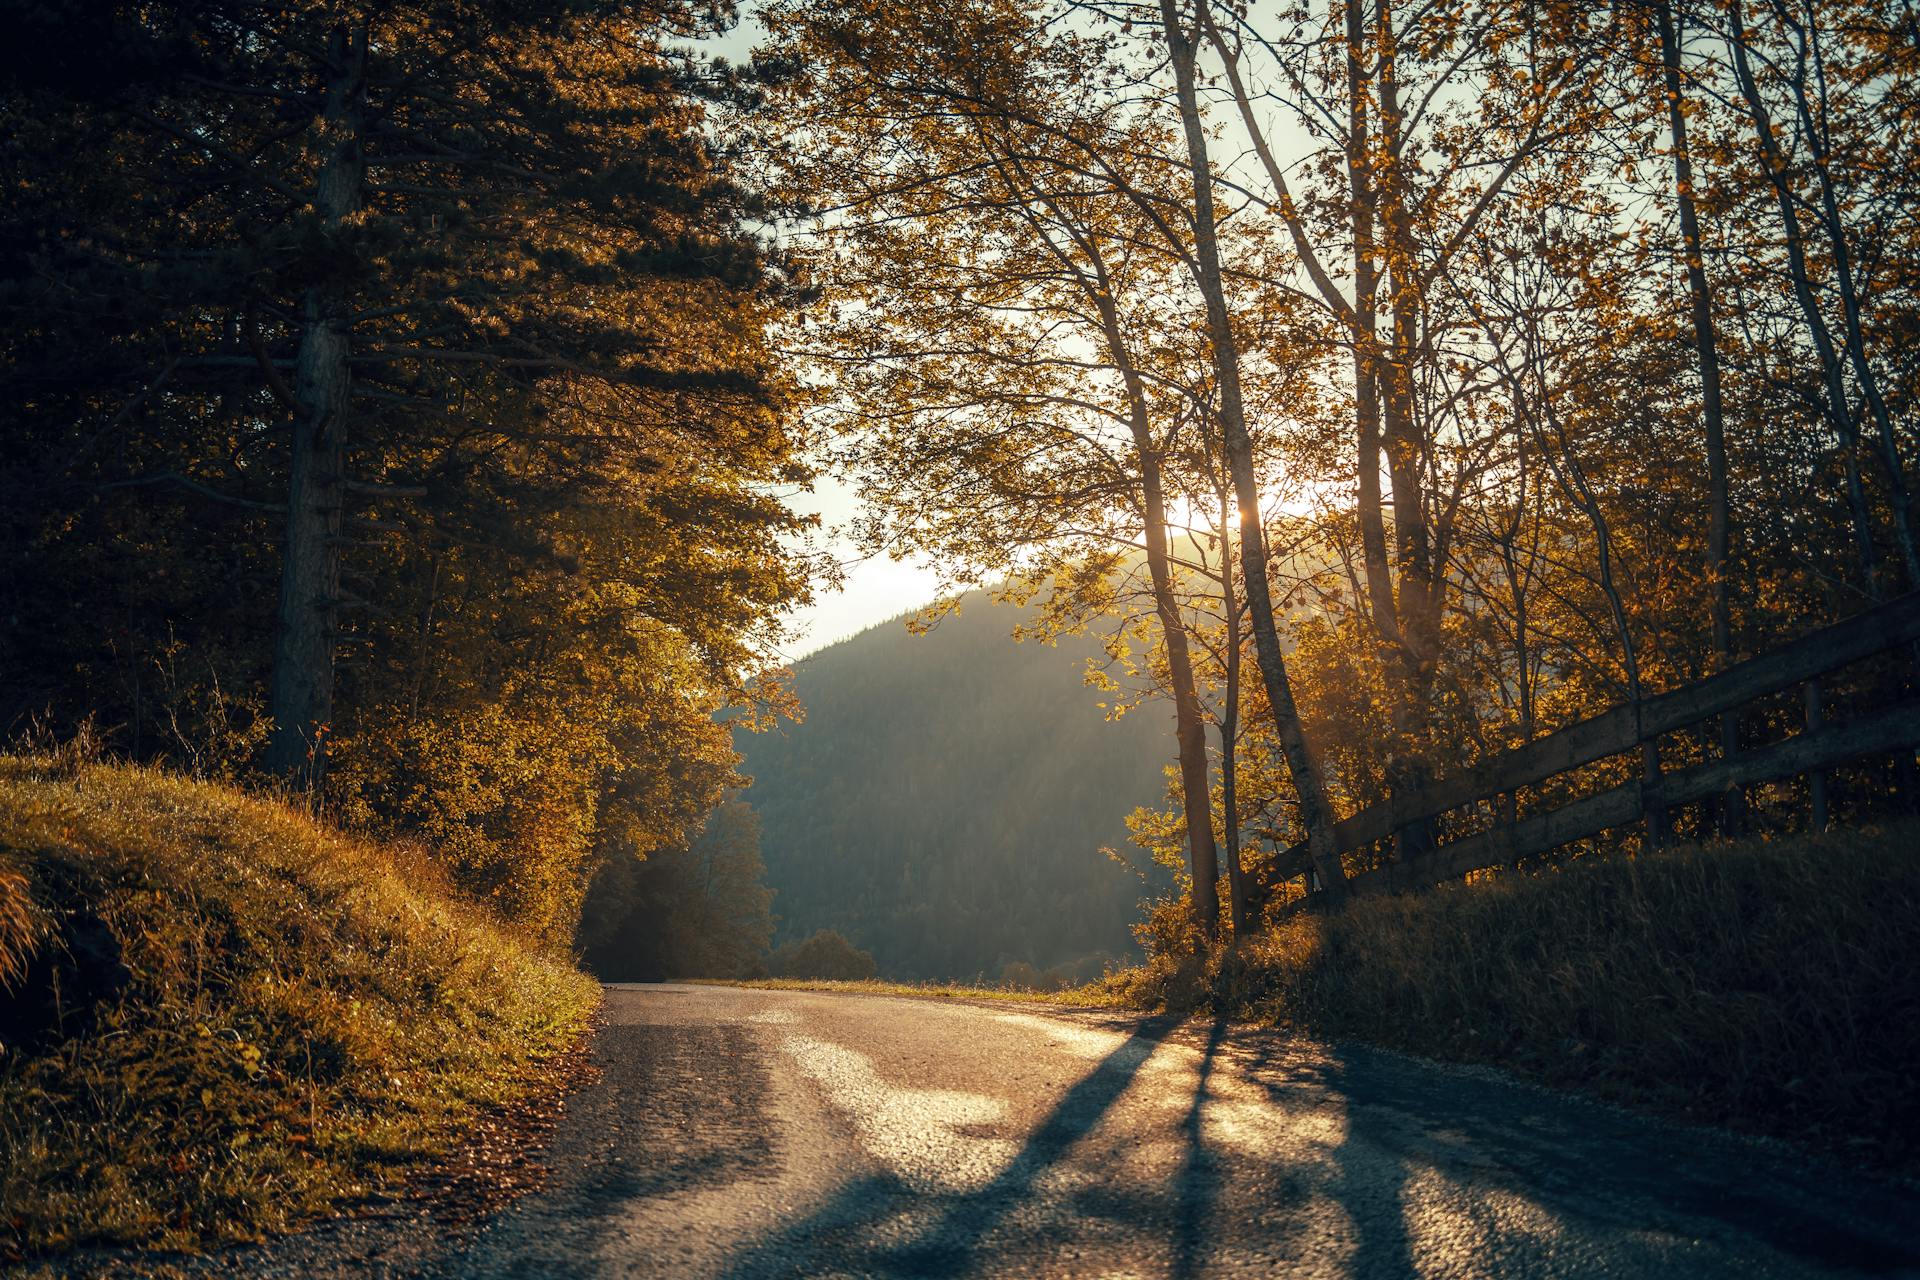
x=945, y=802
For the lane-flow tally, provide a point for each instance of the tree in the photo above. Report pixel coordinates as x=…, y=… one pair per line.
x=824, y=955
x=698, y=910
x=1429, y=122
x=1315, y=816
x=1706, y=343
x=1003, y=389
x=440, y=322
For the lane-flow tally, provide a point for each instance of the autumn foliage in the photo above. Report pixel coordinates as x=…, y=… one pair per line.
x=1410, y=381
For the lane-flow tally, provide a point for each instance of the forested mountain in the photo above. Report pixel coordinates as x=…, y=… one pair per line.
x=945, y=802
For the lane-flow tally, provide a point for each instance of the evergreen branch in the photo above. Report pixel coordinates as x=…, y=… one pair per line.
x=187, y=482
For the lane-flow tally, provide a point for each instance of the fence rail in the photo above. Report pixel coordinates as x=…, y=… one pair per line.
x=1630, y=727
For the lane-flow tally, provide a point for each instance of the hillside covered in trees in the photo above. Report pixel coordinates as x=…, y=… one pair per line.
x=945, y=802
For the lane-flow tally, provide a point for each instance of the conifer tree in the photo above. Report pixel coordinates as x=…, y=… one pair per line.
x=399, y=368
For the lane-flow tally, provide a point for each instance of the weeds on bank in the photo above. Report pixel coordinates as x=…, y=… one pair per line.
x=304, y=1015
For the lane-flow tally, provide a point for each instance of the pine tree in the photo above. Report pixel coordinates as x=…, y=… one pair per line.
x=439, y=322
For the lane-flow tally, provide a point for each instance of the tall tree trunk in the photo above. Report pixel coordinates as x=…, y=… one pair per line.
x=1404, y=615
x=1419, y=593
x=1315, y=814
x=1519, y=582
x=1190, y=736
x=1832, y=376
x=1189, y=726
x=1705, y=340
x=1366, y=352
x=301, y=697
x=1230, y=722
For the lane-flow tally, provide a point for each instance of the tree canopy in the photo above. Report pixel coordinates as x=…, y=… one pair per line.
x=1492, y=364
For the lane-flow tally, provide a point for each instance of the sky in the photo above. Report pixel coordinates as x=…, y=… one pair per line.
x=876, y=588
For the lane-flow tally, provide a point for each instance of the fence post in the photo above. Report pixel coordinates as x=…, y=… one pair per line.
x=1656, y=812
x=1817, y=779
x=1733, y=803
x=1509, y=806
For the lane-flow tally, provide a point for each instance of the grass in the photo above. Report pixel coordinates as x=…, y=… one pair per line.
x=304, y=1018
x=1769, y=985
x=916, y=990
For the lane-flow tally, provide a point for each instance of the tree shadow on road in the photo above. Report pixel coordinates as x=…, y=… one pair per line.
x=876, y=1225
x=1612, y=1176
x=1198, y=1187
x=1577, y=1161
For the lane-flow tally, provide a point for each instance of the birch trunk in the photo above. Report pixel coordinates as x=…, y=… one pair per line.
x=1314, y=813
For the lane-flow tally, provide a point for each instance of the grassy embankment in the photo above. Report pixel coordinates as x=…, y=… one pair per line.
x=1769, y=985
x=294, y=1018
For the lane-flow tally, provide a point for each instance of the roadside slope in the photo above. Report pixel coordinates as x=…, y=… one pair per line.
x=221, y=1017
x=1767, y=984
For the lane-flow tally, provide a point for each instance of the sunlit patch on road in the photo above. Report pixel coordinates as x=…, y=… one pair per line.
x=1232, y=1112
x=915, y=1133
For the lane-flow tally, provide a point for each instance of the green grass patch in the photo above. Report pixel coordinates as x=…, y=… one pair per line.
x=293, y=1018
x=1773, y=985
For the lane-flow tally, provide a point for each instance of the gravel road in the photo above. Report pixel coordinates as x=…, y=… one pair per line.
x=745, y=1135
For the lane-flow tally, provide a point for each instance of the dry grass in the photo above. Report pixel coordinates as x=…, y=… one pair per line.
x=20, y=922
x=307, y=1015
x=1772, y=985
x=916, y=990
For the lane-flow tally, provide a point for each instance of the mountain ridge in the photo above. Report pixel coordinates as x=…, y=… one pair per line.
x=945, y=801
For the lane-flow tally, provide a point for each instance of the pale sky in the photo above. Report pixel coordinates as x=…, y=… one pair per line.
x=876, y=588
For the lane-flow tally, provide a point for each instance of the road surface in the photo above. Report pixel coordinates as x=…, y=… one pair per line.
x=746, y=1135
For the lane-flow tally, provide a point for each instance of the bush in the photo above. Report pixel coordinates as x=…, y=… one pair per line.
x=825, y=955
x=254, y=1018
x=1018, y=975
x=19, y=922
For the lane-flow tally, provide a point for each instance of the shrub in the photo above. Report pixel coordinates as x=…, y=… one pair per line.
x=19, y=922
x=825, y=955
x=1018, y=975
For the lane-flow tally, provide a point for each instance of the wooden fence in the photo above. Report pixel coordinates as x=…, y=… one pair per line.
x=1637, y=727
